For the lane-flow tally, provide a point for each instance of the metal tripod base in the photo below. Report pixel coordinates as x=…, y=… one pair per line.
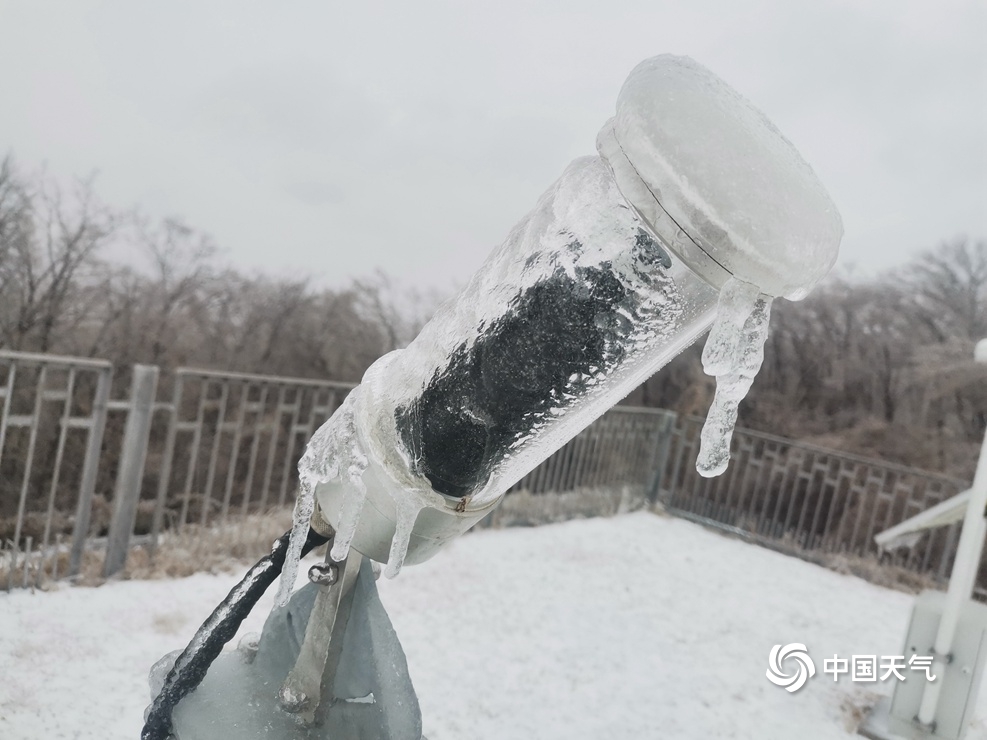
x=366, y=690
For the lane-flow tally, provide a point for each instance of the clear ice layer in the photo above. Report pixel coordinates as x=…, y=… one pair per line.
x=583, y=302
x=578, y=306
x=336, y=454
x=333, y=451
x=733, y=354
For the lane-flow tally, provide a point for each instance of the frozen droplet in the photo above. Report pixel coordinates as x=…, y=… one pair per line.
x=733, y=353
x=248, y=646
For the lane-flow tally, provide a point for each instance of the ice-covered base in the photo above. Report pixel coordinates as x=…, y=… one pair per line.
x=369, y=694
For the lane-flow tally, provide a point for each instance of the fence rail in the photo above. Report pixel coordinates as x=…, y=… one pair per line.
x=53, y=411
x=233, y=443
x=81, y=470
x=809, y=500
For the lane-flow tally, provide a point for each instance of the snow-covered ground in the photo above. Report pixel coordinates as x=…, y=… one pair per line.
x=639, y=626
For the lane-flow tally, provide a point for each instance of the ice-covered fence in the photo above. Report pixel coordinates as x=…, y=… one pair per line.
x=808, y=500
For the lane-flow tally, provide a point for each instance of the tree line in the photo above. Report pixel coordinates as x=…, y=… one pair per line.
x=170, y=302
x=881, y=367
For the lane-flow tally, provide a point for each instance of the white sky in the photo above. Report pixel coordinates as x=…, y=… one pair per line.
x=332, y=138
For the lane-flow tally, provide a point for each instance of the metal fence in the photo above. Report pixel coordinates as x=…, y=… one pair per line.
x=83, y=470
x=233, y=443
x=623, y=448
x=808, y=500
x=51, y=428
x=608, y=468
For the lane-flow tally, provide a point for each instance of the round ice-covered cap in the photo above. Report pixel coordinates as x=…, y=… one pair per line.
x=718, y=181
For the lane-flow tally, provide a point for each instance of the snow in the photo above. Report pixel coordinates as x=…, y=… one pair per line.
x=638, y=626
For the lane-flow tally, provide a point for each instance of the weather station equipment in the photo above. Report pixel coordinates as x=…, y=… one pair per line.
x=695, y=213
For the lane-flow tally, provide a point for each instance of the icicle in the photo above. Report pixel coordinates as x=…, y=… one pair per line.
x=301, y=519
x=349, y=516
x=735, y=304
x=407, y=509
x=332, y=449
x=733, y=353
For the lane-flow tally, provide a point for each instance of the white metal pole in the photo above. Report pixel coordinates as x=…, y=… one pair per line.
x=963, y=576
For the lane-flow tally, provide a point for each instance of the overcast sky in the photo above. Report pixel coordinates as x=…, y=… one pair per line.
x=332, y=138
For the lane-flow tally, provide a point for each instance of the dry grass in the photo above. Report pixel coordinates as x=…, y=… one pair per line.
x=524, y=509
x=196, y=549
x=880, y=574
x=855, y=708
x=227, y=548
x=868, y=567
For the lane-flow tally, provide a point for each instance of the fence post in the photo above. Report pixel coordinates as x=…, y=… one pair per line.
x=661, y=454
x=90, y=467
x=127, y=489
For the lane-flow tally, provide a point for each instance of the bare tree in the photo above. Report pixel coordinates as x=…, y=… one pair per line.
x=47, y=244
x=950, y=289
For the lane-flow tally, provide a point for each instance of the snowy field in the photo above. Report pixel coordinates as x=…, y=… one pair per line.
x=639, y=626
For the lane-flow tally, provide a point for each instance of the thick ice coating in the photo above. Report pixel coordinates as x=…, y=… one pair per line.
x=718, y=171
x=615, y=271
x=578, y=306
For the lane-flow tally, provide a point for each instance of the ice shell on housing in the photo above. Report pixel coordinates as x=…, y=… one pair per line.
x=718, y=181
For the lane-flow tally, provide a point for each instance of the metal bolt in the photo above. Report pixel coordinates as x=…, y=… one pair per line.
x=291, y=701
x=248, y=647
x=324, y=574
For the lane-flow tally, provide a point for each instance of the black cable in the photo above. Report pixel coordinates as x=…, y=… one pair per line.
x=191, y=666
